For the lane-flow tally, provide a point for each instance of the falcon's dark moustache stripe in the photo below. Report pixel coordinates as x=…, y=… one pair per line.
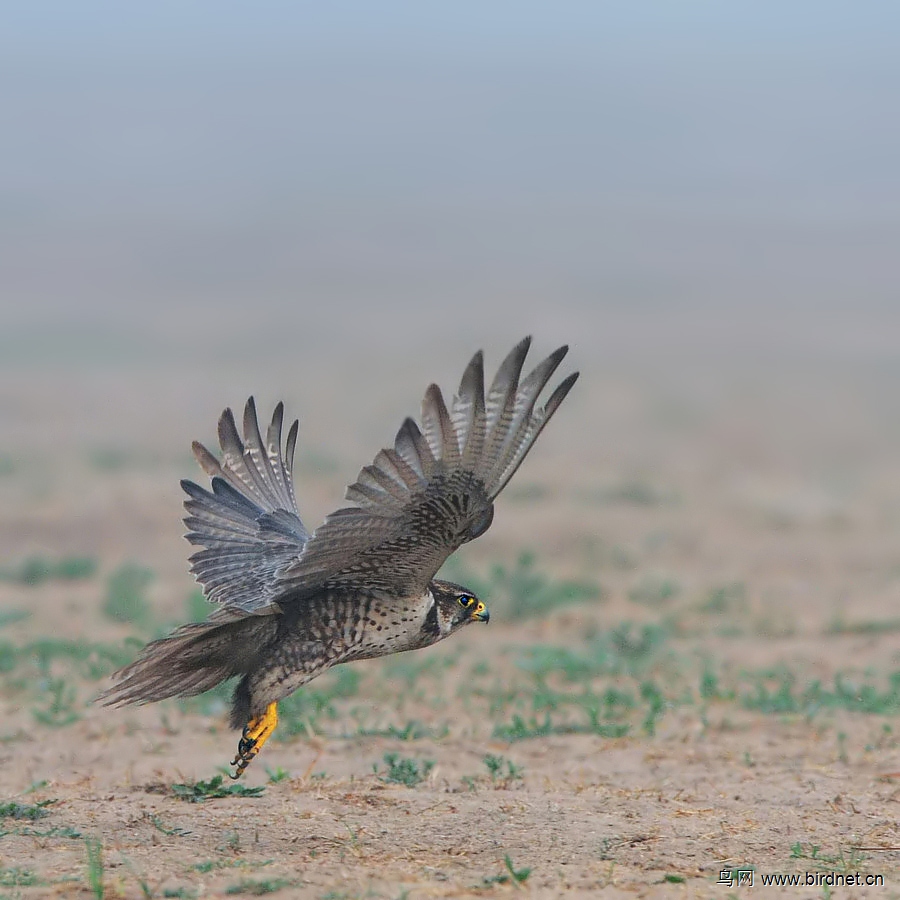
x=431, y=625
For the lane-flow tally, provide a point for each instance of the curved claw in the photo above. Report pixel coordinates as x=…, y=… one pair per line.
x=256, y=732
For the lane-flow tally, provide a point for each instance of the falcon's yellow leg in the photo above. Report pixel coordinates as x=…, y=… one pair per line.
x=256, y=733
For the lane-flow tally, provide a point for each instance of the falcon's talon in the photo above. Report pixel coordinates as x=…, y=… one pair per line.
x=245, y=744
x=255, y=734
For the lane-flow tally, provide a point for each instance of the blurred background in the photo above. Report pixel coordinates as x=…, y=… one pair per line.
x=694, y=579
x=336, y=204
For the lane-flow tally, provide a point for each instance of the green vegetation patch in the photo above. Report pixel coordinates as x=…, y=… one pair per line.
x=503, y=770
x=412, y=731
x=521, y=729
x=28, y=811
x=126, y=599
x=258, y=887
x=11, y=616
x=18, y=877
x=403, y=770
x=654, y=591
x=95, y=867
x=511, y=876
x=37, y=569
x=778, y=692
x=624, y=650
x=214, y=789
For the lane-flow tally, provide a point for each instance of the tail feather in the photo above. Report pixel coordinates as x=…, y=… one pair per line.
x=193, y=659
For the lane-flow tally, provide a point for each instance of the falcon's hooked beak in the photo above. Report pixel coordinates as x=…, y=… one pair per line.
x=481, y=613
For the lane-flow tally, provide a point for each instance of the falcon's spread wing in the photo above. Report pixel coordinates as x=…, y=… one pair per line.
x=416, y=504
x=434, y=490
x=249, y=524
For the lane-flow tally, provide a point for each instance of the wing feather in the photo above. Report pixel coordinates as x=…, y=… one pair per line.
x=248, y=525
x=500, y=406
x=535, y=427
x=413, y=450
x=523, y=411
x=415, y=504
x=434, y=490
x=438, y=427
x=468, y=414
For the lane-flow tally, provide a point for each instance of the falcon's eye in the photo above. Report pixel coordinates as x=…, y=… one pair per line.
x=465, y=600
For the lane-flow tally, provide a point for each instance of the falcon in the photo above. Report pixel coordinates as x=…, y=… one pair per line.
x=362, y=585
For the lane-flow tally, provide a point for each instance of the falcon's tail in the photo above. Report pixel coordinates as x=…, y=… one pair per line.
x=193, y=659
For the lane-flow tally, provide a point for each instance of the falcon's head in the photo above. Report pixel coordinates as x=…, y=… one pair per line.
x=455, y=606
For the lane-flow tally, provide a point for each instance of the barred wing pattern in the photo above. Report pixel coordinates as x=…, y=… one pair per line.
x=249, y=524
x=432, y=492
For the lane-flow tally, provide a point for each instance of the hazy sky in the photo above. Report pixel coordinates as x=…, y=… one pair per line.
x=621, y=155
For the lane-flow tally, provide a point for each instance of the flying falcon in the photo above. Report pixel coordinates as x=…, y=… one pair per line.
x=362, y=585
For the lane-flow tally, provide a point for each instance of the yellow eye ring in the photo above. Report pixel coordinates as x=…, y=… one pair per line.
x=465, y=600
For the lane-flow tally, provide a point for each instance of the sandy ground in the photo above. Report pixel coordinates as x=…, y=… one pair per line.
x=735, y=523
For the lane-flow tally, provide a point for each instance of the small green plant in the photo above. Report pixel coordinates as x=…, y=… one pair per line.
x=214, y=789
x=776, y=692
x=636, y=649
x=37, y=569
x=634, y=492
x=257, y=888
x=232, y=843
x=95, y=867
x=876, y=626
x=11, y=616
x=277, y=774
x=13, y=810
x=210, y=865
x=412, y=731
x=521, y=729
x=842, y=747
x=495, y=766
x=63, y=832
x=142, y=882
x=654, y=591
x=727, y=598
x=18, y=877
x=656, y=702
x=125, y=594
x=838, y=862
x=402, y=770
x=512, y=875
x=60, y=708
x=710, y=688
x=170, y=832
